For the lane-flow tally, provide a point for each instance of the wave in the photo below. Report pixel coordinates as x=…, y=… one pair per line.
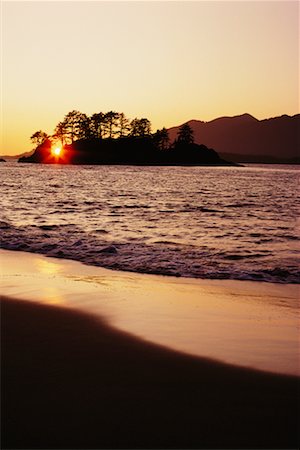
x=190, y=222
x=160, y=256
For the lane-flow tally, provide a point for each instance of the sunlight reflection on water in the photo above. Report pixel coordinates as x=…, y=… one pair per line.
x=205, y=222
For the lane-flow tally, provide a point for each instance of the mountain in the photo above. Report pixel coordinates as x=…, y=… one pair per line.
x=247, y=139
x=14, y=157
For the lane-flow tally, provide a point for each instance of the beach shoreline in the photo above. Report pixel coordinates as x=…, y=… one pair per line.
x=249, y=324
x=94, y=358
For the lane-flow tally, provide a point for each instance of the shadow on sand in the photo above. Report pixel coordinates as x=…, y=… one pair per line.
x=71, y=381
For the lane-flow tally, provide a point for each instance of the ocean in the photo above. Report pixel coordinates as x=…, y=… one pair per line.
x=204, y=222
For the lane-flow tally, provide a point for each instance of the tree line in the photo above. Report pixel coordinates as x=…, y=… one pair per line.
x=111, y=125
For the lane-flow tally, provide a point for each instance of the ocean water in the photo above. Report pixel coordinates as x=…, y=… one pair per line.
x=204, y=222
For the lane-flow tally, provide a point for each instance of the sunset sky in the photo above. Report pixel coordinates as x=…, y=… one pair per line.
x=167, y=61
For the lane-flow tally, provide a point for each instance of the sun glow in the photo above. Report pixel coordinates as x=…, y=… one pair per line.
x=56, y=151
x=57, y=154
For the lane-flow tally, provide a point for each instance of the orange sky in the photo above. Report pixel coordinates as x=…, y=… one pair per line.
x=167, y=61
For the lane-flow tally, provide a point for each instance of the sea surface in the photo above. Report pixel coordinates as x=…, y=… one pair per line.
x=205, y=222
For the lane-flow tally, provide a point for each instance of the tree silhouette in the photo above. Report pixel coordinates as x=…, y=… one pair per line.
x=84, y=127
x=161, y=139
x=97, y=125
x=60, y=133
x=185, y=134
x=39, y=137
x=77, y=125
x=140, y=127
x=123, y=125
x=74, y=126
x=111, y=120
x=116, y=133
x=110, y=138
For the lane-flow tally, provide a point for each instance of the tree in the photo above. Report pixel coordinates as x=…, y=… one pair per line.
x=97, y=125
x=123, y=125
x=140, y=127
x=60, y=133
x=185, y=134
x=161, y=139
x=39, y=137
x=70, y=124
x=75, y=126
x=84, y=127
x=111, y=120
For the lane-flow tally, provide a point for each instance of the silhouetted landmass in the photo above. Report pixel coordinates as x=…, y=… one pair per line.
x=15, y=157
x=102, y=137
x=246, y=139
x=129, y=150
x=111, y=138
x=2, y=160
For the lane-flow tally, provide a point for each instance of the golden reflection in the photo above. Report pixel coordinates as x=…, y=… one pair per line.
x=51, y=296
x=47, y=267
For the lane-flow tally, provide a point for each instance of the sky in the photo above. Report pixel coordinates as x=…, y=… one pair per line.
x=167, y=61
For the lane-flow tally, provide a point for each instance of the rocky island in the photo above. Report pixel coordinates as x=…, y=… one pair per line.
x=111, y=138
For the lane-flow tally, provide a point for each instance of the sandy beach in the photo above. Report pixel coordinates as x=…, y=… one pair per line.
x=94, y=358
x=150, y=227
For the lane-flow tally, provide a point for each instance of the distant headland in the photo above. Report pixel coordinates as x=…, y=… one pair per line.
x=110, y=138
x=245, y=139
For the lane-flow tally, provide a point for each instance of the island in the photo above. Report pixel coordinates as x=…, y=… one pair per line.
x=111, y=139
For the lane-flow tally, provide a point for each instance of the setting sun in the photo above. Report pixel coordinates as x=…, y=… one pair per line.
x=56, y=151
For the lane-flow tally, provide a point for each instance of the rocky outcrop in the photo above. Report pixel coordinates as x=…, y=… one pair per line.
x=126, y=151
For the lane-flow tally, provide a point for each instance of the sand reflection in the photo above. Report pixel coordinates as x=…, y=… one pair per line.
x=47, y=266
x=244, y=323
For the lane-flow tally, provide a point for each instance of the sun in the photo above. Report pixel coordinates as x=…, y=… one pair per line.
x=58, y=154
x=56, y=151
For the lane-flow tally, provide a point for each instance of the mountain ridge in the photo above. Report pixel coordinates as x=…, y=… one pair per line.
x=248, y=139
x=241, y=138
x=15, y=157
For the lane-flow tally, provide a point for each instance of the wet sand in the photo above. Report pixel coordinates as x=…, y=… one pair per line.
x=94, y=358
x=248, y=324
x=71, y=381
